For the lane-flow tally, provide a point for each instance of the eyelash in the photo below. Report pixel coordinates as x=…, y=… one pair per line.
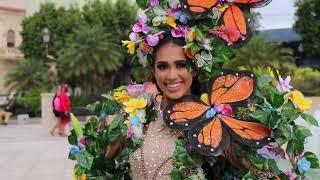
x=178, y=65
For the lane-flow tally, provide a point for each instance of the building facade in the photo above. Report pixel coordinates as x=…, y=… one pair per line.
x=10, y=39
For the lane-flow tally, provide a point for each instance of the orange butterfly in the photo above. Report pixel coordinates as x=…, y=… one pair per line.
x=233, y=17
x=211, y=126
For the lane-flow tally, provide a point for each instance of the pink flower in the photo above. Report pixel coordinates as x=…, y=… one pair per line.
x=284, y=85
x=171, y=12
x=271, y=151
x=141, y=26
x=134, y=36
x=153, y=40
x=224, y=32
x=135, y=88
x=223, y=109
x=177, y=32
x=130, y=132
x=290, y=175
x=154, y=3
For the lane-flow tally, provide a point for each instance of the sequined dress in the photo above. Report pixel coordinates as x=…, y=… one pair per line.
x=153, y=161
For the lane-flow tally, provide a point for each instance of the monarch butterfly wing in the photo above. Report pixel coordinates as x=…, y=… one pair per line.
x=209, y=137
x=249, y=133
x=235, y=22
x=185, y=112
x=198, y=8
x=232, y=87
x=254, y=3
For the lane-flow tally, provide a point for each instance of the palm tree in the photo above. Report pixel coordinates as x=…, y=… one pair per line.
x=260, y=53
x=28, y=74
x=89, y=55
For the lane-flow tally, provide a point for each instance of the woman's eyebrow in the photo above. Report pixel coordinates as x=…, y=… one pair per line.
x=162, y=62
x=180, y=61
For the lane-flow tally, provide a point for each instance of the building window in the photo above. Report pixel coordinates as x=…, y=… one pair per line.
x=11, y=38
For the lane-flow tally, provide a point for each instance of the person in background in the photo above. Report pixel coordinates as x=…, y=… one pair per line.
x=61, y=109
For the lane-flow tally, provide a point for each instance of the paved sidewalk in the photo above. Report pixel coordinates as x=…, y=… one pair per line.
x=29, y=152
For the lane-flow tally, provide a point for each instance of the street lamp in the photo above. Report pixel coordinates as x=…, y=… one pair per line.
x=53, y=73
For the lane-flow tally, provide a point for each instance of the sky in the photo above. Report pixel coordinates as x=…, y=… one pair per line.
x=278, y=14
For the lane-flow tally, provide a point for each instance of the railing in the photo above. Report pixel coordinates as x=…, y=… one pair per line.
x=10, y=53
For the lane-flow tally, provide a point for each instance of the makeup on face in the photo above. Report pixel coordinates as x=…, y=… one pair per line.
x=170, y=71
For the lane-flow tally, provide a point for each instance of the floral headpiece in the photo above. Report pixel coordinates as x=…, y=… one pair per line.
x=203, y=24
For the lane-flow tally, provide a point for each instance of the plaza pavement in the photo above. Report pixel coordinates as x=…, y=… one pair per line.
x=29, y=152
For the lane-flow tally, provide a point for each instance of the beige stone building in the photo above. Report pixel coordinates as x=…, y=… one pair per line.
x=10, y=39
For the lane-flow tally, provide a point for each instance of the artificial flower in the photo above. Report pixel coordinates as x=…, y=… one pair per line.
x=137, y=132
x=199, y=176
x=75, y=177
x=290, y=175
x=74, y=149
x=171, y=21
x=177, y=32
x=205, y=98
x=284, y=85
x=121, y=96
x=154, y=3
x=223, y=109
x=130, y=45
x=271, y=151
x=224, y=32
x=141, y=114
x=133, y=36
x=190, y=53
x=133, y=104
x=132, y=89
x=191, y=35
x=303, y=165
x=82, y=142
x=182, y=17
x=142, y=58
x=152, y=40
x=130, y=132
x=189, y=148
x=300, y=101
x=145, y=48
x=141, y=26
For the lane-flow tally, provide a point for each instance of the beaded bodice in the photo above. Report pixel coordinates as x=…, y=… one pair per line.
x=154, y=159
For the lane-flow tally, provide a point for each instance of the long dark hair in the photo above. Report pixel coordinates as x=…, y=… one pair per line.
x=196, y=86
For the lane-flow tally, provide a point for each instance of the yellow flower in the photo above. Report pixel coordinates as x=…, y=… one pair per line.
x=133, y=104
x=205, y=98
x=130, y=45
x=75, y=177
x=191, y=35
x=171, y=21
x=121, y=96
x=222, y=8
x=301, y=103
x=126, y=122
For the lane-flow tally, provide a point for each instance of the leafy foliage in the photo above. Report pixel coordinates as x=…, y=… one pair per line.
x=308, y=25
x=259, y=53
x=26, y=75
x=307, y=80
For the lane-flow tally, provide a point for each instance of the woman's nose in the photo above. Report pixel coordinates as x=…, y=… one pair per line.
x=173, y=74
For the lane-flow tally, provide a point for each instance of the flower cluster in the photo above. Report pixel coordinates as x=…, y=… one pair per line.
x=202, y=37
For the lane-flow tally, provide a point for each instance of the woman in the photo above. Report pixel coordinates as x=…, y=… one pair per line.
x=61, y=109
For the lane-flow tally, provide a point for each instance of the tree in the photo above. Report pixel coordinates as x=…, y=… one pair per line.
x=260, y=53
x=90, y=53
x=28, y=74
x=308, y=25
x=59, y=21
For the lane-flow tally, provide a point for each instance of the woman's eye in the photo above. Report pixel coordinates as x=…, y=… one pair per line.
x=181, y=65
x=162, y=66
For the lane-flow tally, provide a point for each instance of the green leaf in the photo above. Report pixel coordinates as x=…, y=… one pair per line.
x=143, y=4
x=79, y=170
x=85, y=160
x=301, y=132
x=261, y=116
x=312, y=158
x=115, y=122
x=76, y=125
x=310, y=119
x=176, y=175
x=282, y=134
x=73, y=139
x=288, y=112
x=275, y=98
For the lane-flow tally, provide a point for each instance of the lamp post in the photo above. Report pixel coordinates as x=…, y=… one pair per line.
x=53, y=73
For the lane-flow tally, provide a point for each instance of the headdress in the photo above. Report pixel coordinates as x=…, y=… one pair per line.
x=210, y=28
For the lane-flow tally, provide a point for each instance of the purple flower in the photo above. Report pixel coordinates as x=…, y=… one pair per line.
x=303, y=165
x=290, y=175
x=141, y=26
x=177, y=32
x=132, y=89
x=82, y=140
x=270, y=151
x=154, y=3
x=284, y=85
x=134, y=36
x=189, y=148
x=153, y=40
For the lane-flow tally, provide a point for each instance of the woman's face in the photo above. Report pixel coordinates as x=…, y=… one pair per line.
x=171, y=73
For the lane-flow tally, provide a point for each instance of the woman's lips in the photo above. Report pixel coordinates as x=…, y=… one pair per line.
x=173, y=87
